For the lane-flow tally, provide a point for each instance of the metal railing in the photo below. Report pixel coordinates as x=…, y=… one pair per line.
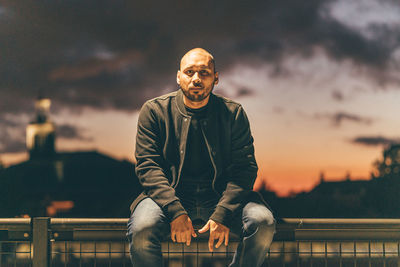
x=44, y=242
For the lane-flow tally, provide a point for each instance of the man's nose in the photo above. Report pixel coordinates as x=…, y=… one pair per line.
x=196, y=78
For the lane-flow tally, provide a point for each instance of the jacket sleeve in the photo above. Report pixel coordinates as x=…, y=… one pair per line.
x=242, y=171
x=150, y=164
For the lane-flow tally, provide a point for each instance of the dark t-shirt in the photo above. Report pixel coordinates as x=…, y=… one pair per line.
x=195, y=187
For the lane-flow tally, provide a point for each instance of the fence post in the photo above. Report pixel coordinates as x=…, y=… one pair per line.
x=41, y=242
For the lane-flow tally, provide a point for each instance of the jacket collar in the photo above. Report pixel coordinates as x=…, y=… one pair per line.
x=181, y=105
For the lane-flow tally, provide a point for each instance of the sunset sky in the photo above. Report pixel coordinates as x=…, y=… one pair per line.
x=318, y=79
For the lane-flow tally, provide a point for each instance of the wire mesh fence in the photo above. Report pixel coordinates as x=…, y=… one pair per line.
x=102, y=242
x=282, y=253
x=15, y=253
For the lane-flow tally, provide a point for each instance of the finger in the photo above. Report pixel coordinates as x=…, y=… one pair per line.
x=183, y=237
x=178, y=237
x=226, y=238
x=205, y=228
x=211, y=242
x=194, y=233
x=173, y=236
x=188, y=237
x=220, y=240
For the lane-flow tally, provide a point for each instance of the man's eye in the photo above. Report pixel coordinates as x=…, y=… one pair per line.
x=204, y=72
x=189, y=72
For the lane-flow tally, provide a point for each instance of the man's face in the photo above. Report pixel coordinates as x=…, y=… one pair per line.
x=196, y=76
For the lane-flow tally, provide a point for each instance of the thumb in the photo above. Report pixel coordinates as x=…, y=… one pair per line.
x=205, y=228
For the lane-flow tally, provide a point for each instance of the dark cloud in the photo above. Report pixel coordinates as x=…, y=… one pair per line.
x=12, y=140
x=116, y=54
x=278, y=110
x=339, y=117
x=12, y=136
x=98, y=66
x=244, y=91
x=12, y=145
x=12, y=133
x=234, y=91
x=375, y=140
x=68, y=131
x=106, y=54
x=337, y=95
x=8, y=122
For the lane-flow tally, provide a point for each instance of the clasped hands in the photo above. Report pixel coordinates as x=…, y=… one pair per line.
x=182, y=231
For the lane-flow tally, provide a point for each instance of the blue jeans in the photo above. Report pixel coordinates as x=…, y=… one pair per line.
x=148, y=227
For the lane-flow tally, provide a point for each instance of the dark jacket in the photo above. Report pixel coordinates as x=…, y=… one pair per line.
x=162, y=132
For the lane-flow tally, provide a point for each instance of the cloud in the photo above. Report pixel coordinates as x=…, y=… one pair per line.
x=244, y=91
x=8, y=122
x=12, y=140
x=12, y=133
x=108, y=54
x=68, y=131
x=12, y=137
x=12, y=145
x=339, y=117
x=375, y=140
x=374, y=13
x=234, y=91
x=114, y=55
x=278, y=110
x=3, y=11
x=96, y=66
x=337, y=95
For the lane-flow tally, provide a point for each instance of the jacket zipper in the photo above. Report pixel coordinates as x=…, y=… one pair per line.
x=187, y=125
x=211, y=158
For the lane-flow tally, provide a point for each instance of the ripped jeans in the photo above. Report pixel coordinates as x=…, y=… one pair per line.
x=148, y=226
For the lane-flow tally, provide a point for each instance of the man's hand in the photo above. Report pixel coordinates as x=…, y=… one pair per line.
x=182, y=229
x=217, y=231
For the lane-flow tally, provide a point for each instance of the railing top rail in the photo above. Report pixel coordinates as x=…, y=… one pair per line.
x=91, y=221
x=287, y=229
x=347, y=221
x=15, y=221
x=290, y=222
x=355, y=222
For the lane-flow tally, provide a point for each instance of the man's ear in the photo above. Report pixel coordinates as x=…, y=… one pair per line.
x=178, y=79
x=216, y=78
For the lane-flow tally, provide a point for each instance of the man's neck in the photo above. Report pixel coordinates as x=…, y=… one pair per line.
x=195, y=105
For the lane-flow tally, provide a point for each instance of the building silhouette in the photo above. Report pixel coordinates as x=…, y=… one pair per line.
x=40, y=133
x=65, y=184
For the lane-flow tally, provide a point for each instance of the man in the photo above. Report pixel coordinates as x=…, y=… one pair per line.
x=195, y=160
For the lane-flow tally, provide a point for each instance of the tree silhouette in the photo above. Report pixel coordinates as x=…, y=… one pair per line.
x=389, y=164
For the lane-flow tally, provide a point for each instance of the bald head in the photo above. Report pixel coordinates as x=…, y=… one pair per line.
x=198, y=52
x=197, y=77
